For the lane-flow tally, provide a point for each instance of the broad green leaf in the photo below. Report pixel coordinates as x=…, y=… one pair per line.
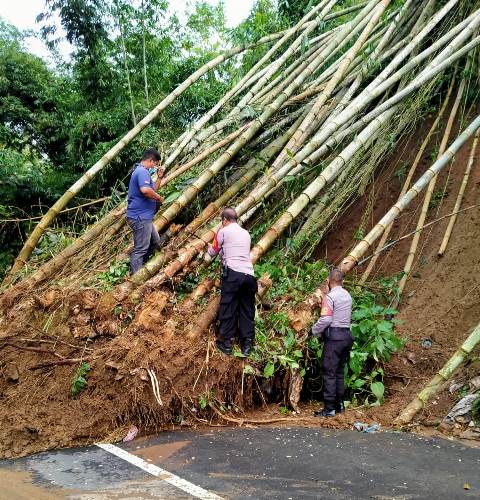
x=268, y=370
x=378, y=389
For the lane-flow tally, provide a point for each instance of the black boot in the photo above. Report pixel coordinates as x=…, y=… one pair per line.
x=339, y=407
x=328, y=410
x=246, y=346
x=223, y=348
x=324, y=413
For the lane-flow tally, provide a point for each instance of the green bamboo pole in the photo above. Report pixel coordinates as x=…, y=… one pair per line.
x=278, y=63
x=315, y=50
x=436, y=383
x=325, y=8
x=314, y=188
x=332, y=125
x=381, y=83
x=376, y=56
x=50, y=216
x=363, y=246
x=242, y=83
x=315, y=112
x=204, y=154
x=340, y=39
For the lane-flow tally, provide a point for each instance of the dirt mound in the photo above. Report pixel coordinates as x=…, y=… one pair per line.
x=38, y=411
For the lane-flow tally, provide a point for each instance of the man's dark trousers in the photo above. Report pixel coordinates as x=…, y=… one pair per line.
x=237, y=307
x=145, y=241
x=336, y=353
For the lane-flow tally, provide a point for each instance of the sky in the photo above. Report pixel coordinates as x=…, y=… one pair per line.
x=22, y=14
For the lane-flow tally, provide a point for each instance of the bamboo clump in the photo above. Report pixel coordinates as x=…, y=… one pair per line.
x=291, y=144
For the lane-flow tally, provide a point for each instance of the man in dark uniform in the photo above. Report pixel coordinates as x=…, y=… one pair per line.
x=239, y=285
x=334, y=327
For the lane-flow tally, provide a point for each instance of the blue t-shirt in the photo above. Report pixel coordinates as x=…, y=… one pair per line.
x=139, y=206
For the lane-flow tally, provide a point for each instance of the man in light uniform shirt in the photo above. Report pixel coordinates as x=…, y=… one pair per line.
x=239, y=285
x=334, y=327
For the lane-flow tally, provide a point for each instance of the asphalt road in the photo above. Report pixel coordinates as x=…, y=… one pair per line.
x=263, y=463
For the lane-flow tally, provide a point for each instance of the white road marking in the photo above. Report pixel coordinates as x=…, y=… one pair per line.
x=168, y=477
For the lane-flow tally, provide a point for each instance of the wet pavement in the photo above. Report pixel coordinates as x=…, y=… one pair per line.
x=283, y=463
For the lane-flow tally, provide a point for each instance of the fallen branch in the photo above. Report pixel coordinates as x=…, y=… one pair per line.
x=33, y=349
x=58, y=341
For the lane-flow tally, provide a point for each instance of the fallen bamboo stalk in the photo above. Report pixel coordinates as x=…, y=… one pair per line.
x=386, y=79
x=315, y=113
x=435, y=384
x=355, y=255
x=362, y=247
x=185, y=138
x=204, y=154
x=459, y=199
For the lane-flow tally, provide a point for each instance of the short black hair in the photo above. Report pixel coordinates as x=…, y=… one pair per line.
x=336, y=275
x=229, y=214
x=151, y=154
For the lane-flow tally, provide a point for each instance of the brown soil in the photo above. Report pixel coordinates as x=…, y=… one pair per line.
x=38, y=413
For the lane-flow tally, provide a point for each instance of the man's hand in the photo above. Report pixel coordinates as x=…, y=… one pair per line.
x=160, y=172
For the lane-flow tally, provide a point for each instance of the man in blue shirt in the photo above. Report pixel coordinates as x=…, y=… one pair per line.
x=142, y=205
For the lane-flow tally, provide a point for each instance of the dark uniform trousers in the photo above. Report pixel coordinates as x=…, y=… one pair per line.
x=336, y=352
x=237, y=307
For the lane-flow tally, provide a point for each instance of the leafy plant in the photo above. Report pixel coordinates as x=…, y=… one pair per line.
x=79, y=381
x=284, y=410
x=276, y=344
x=115, y=274
x=374, y=342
